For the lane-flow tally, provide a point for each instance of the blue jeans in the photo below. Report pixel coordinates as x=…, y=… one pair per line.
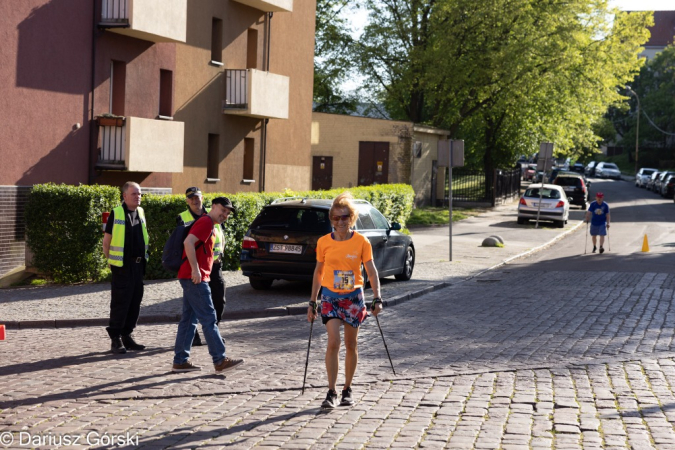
x=197, y=305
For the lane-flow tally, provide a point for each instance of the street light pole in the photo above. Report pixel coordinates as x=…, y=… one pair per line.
x=637, y=128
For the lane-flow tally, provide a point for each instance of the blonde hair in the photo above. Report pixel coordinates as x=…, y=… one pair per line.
x=344, y=200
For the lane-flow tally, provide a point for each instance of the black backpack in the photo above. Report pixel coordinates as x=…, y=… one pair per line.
x=172, y=255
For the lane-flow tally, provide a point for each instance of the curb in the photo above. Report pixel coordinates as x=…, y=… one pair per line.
x=269, y=312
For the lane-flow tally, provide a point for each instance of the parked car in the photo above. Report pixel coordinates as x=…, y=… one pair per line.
x=651, y=180
x=607, y=170
x=574, y=187
x=538, y=176
x=554, y=204
x=556, y=172
x=577, y=167
x=590, y=169
x=280, y=243
x=642, y=176
x=529, y=172
x=668, y=185
x=659, y=181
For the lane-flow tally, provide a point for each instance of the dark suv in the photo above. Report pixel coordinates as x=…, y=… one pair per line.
x=281, y=242
x=575, y=188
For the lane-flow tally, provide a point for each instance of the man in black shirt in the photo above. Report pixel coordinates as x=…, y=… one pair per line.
x=125, y=245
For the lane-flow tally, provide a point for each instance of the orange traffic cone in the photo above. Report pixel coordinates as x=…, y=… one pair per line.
x=645, y=244
x=2, y=332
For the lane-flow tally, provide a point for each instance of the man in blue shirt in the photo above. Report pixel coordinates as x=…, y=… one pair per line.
x=598, y=216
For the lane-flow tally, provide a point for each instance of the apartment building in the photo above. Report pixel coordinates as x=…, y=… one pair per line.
x=168, y=93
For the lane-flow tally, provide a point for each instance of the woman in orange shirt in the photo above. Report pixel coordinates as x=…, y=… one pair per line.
x=339, y=257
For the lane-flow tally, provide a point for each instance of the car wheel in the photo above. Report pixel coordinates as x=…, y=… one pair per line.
x=408, y=266
x=560, y=223
x=260, y=284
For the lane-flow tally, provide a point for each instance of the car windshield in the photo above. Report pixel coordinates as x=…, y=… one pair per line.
x=647, y=172
x=293, y=219
x=545, y=193
x=568, y=181
x=610, y=166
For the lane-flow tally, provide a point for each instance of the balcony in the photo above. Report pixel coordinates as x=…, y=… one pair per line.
x=150, y=20
x=140, y=145
x=269, y=5
x=255, y=93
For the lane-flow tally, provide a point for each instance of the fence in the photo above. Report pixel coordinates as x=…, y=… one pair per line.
x=236, y=89
x=473, y=186
x=115, y=11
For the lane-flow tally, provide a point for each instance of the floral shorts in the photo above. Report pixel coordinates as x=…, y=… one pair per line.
x=349, y=307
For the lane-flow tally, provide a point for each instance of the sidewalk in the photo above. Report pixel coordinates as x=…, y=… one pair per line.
x=88, y=305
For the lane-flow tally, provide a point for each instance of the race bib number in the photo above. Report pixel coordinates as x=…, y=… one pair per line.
x=343, y=280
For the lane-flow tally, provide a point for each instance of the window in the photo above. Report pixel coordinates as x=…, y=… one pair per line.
x=165, y=93
x=118, y=75
x=366, y=221
x=249, y=156
x=217, y=42
x=252, y=49
x=379, y=220
x=213, y=157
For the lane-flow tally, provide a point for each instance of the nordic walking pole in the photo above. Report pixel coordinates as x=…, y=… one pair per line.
x=372, y=306
x=586, y=244
x=609, y=243
x=311, y=325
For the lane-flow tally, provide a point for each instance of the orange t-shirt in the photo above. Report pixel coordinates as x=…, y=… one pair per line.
x=342, y=261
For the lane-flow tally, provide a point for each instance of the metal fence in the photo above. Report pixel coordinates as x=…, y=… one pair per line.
x=114, y=11
x=112, y=139
x=474, y=186
x=507, y=185
x=236, y=89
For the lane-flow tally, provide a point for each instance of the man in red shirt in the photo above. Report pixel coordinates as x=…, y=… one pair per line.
x=194, y=276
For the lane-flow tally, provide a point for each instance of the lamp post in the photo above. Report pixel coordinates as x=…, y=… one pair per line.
x=637, y=129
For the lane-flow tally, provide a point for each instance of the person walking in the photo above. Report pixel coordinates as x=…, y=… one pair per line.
x=338, y=276
x=194, y=277
x=125, y=246
x=598, y=216
x=194, y=200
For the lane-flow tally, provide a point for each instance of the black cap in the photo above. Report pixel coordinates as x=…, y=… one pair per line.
x=224, y=201
x=192, y=191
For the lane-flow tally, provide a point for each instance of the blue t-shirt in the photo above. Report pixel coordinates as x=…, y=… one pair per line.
x=598, y=213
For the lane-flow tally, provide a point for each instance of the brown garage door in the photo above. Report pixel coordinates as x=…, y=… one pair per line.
x=373, y=163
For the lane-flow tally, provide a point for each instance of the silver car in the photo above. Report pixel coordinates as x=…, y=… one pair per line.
x=607, y=170
x=554, y=204
x=643, y=176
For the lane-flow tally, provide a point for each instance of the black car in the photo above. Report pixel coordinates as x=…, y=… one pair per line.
x=575, y=188
x=578, y=168
x=667, y=185
x=281, y=242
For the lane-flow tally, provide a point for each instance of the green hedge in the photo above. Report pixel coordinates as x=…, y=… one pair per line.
x=56, y=254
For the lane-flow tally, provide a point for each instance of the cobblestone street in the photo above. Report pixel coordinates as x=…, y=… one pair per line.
x=500, y=361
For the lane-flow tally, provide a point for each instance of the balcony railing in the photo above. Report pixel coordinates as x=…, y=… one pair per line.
x=269, y=5
x=140, y=145
x=150, y=20
x=255, y=93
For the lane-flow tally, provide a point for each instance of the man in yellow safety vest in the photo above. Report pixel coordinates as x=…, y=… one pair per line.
x=125, y=246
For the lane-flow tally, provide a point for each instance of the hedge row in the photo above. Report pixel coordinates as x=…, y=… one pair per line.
x=63, y=223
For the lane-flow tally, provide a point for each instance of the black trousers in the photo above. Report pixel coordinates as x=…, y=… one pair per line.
x=126, y=297
x=217, y=285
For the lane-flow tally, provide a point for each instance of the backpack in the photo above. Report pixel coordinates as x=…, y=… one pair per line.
x=172, y=255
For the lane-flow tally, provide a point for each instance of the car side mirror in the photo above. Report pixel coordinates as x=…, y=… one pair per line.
x=395, y=226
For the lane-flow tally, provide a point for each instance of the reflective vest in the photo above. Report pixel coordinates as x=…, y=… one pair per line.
x=187, y=218
x=116, y=252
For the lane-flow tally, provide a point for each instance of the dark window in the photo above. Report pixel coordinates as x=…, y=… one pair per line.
x=213, y=157
x=293, y=219
x=568, y=181
x=546, y=193
x=118, y=76
x=647, y=172
x=249, y=148
x=165, y=93
x=379, y=220
x=252, y=49
x=217, y=40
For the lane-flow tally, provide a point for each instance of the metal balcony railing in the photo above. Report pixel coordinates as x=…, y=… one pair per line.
x=236, y=89
x=113, y=143
x=115, y=11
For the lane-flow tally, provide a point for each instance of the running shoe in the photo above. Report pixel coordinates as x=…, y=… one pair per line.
x=347, y=399
x=331, y=400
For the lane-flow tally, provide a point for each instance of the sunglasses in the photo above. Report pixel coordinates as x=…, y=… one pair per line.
x=344, y=217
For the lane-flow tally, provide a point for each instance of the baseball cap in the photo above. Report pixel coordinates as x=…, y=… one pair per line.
x=192, y=191
x=225, y=202
x=600, y=195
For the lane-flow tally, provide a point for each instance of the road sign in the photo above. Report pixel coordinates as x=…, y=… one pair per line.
x=450, y=153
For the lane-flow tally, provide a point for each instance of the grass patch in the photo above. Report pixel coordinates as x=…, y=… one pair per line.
x=439, y=216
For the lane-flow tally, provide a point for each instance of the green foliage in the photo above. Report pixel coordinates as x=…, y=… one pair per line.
x=64, y=224
x=438, y=216
x=63, y=230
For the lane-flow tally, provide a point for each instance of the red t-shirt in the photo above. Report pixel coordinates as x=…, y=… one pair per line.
x=202, y=228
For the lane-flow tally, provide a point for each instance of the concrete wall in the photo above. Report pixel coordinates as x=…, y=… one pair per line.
x=164, y=18
x=154, y=145
x=422, y=166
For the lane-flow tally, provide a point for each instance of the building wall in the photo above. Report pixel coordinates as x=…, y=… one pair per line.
x=422, y=172
x=339, y=136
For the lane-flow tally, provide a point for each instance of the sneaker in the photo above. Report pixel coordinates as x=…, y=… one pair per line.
x=116, y=346
x=594, y=248
x=187, y=366
x=347, y=399
x=331, y=400
x=602, y=250
x=227, y=364
x=197, y=341
x=131, y=344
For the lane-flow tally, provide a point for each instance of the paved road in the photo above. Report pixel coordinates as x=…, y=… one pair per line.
x=540, y=353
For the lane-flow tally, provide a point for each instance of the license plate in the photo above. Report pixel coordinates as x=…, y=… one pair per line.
x=286, y=248
x=568, y=188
